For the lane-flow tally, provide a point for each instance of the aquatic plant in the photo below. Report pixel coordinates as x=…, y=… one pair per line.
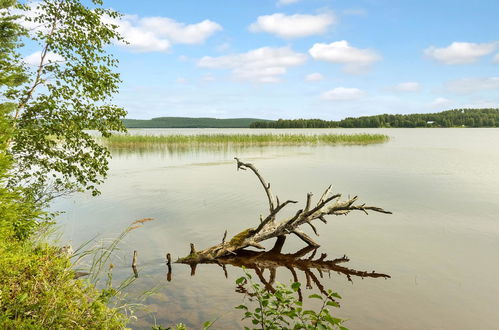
x=137, y=141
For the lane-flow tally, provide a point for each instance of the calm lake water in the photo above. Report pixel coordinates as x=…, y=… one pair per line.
x=440, y=246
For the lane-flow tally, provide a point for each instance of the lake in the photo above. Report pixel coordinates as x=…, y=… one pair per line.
x=440, y=246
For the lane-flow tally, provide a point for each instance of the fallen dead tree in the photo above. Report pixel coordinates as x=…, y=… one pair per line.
x=271, y=227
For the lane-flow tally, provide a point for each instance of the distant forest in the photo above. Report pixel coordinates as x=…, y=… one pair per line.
x=450, y=118
x=185, y=122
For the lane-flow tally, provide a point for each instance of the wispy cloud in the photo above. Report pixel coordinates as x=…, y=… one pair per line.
x=461, y=52
x=440, y=101
x=265, y=65
x=471, y=85
x=36, y=57
x=409, y=86
x=316, y=76
x=343, y=94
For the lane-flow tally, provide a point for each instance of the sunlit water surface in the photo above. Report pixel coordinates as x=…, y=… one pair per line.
x=440, y=246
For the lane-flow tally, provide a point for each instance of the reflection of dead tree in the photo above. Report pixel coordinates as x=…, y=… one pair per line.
x=260, y=262
x=270, y=227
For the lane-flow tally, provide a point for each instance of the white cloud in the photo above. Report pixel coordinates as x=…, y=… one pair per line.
x=26, y=18
x=461, y=52
x=314, y=77
x=265, y=64
x=343, y=94
x=35, y=58
x=471, y=85
x=440, y=101
x=293, y=26
x=143, y=34
x=355, y=60
x=157, y=34
x=287, y=2
x=496, y=58
x=180, y=32
x=409, y=86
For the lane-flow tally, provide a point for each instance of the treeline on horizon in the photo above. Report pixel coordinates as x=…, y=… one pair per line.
x=186, y=122
x=449, y=118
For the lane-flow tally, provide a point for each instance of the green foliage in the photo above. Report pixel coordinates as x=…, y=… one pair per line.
x=53, y=153
x=15, y=209
x=131, y=141
x=16, y=212
x=281, y=309
x=185, y=122
x=38, y=290
x=12, y=70
x=450, y=118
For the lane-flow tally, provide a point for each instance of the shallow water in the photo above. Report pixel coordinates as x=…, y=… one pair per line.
x=440, y=246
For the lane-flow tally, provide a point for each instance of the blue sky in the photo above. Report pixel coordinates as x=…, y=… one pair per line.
x=306, y=58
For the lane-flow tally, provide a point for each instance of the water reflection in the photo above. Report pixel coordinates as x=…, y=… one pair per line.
x=194, y=149
x=296, y=262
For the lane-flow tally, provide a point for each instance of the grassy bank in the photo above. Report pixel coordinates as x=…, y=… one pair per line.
x=138, y=141
x=38, y=290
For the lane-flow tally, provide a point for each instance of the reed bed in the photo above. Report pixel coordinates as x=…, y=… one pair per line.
x=138, y=141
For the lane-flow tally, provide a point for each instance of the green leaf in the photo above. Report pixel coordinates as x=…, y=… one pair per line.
x=315, y=296
x=320, y=326
x=333, y=304
x=334, y=294
x=241, y=307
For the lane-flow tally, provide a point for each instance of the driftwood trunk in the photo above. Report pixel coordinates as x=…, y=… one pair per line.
x=271, y=227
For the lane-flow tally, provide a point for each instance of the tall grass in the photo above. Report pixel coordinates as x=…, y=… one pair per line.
x=138, y=141
x=95, y=258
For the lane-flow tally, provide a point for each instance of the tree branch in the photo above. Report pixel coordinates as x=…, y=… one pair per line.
x=266, y=186
x=39, y=70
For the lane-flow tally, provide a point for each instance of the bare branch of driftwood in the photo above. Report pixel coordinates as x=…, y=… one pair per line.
x=270, y=227
x=304, y=237
x=325, y=194
x=225, y=236
x=169, y=265
x=266, y=186
x=134, y=264
x=271, y=216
